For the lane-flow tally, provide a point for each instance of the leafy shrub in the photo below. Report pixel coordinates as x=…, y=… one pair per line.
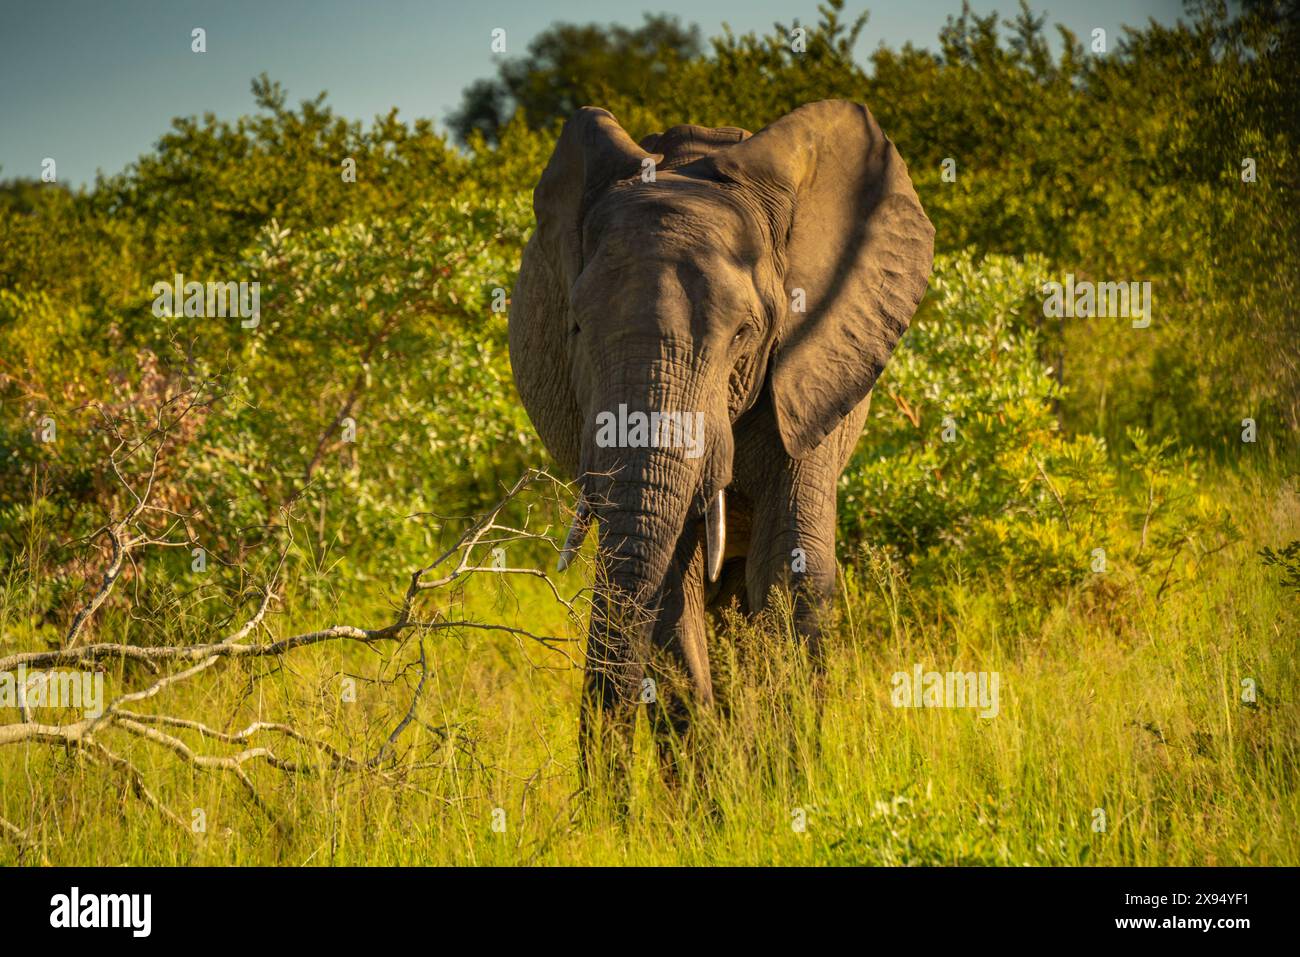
x=964, y=467
x=377, y=295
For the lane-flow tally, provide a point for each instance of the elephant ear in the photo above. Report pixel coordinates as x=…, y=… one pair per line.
x=851, y=240
x=593, y=151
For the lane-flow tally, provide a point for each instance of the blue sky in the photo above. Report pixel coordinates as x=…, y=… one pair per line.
x=94, y=83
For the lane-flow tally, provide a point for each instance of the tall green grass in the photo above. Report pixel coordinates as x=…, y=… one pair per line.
x=1129, y=707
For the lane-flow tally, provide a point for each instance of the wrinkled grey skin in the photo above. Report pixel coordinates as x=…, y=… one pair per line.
x=680, y=295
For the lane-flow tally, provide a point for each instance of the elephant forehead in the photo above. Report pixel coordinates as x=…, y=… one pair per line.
x=623, y=279
x=675, y=215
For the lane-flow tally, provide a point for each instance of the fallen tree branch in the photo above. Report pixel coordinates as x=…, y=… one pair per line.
x=173, y=665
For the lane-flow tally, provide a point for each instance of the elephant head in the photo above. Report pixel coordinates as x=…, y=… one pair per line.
x=698, y=274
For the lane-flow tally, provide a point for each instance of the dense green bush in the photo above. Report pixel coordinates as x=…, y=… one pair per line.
x=378, y=296
x=964, y=467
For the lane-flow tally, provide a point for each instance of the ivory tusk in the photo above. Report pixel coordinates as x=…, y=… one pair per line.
x=577, y=533
x=715, y=532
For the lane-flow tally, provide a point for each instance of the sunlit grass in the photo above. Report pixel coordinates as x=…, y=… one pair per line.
x=1131, y=710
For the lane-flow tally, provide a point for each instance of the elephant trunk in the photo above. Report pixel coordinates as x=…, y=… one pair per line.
x=657, y=450
x=641, y=513
x=642, y=510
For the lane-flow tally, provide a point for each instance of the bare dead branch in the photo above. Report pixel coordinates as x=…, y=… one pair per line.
x=173, y=665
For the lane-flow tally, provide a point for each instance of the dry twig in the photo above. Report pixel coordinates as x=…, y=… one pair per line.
x=173, y=665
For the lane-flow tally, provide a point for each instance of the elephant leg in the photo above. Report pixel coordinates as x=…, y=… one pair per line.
x=793, y=551
x=793, y=545
x=679, y=659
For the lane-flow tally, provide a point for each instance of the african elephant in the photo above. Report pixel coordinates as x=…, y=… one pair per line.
x=753, y=285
